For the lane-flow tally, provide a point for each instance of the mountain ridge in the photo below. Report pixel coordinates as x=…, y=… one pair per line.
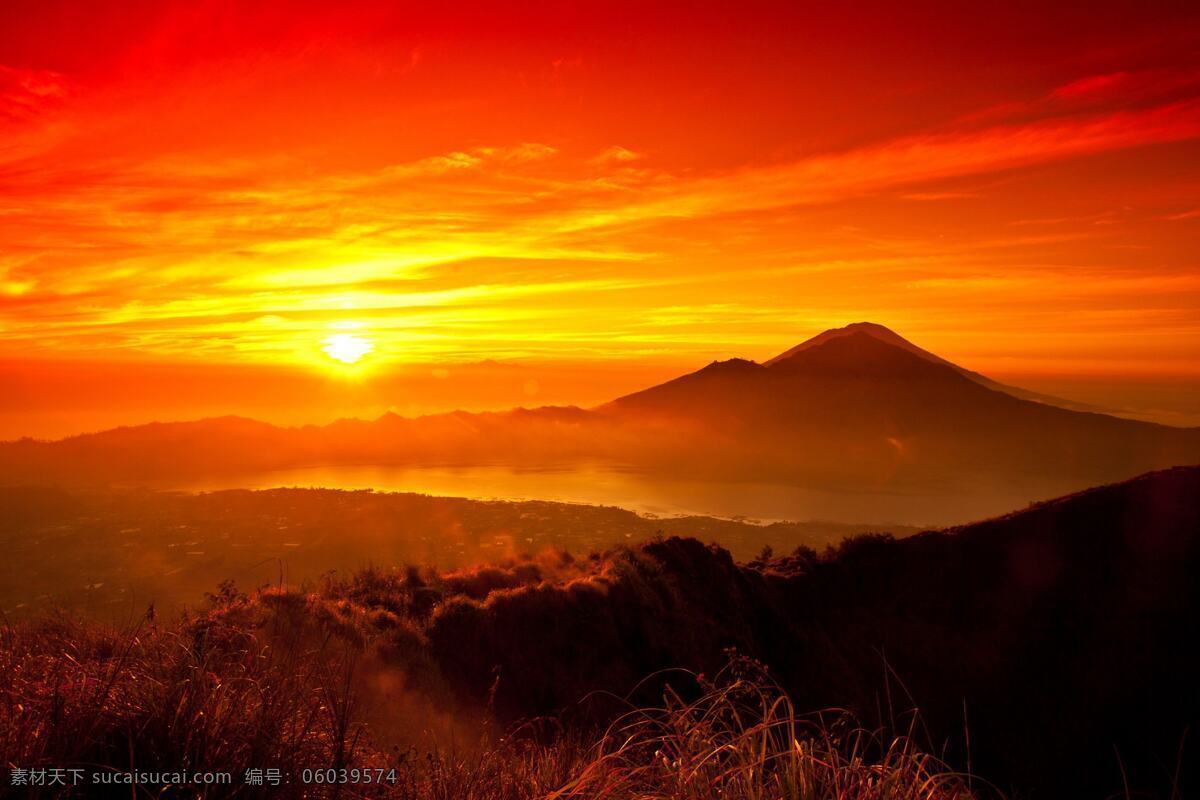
x=852, y=410
x=726, y=366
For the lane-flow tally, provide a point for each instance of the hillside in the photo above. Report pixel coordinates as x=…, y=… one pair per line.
x=1058, y=636
x=1062, y=630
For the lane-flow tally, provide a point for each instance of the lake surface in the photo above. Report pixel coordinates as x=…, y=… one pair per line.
x=615, y=485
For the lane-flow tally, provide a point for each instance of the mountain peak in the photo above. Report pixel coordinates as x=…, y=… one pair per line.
x=873, y=329
x=888, y=336
x=861, y=352
x=731, y=365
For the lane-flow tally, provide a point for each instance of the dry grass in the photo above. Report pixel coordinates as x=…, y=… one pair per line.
x=271, y=682
x=742, y=738
x=204, y=695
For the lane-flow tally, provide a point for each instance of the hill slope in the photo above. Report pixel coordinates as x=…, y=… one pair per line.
x=1059, y=636
x=1062, y=632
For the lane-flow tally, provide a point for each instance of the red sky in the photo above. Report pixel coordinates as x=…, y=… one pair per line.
x=206, y=193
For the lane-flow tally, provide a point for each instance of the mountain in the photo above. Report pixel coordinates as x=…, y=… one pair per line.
x=857, y=409
x=889, y=336
x=861, y=402
x=855, y=349
x=159, y=452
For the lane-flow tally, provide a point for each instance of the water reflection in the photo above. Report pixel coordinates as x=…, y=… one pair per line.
x=617, y=485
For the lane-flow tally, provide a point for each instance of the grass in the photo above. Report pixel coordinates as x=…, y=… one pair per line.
x=742, y=738
x=276, y=681
x=201, y=696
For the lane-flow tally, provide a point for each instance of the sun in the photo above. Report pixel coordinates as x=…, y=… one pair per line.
x=347, y=348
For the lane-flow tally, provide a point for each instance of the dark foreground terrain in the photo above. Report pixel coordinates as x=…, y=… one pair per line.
x=1051, y=652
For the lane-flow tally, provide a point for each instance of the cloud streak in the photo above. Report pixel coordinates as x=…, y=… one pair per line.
x=465, y=199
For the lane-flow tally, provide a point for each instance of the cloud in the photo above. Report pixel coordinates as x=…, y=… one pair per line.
x=27, y=93
x=914, y=160
x=1091, y=86
x=174, y=252
x=1127, y=85
x=935, y=196
x=527, y=151
x=1125, y=89
x=616, y=155
x=434, y=165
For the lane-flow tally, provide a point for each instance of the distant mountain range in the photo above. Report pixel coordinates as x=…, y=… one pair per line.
x=859, y=408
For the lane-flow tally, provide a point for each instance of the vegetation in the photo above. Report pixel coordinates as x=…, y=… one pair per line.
x=1052, y=635
x=742, y=738
x=220, y=693
x=105, y=552
x=202, y=695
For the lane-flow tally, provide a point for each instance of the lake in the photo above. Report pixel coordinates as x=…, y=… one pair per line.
x=626, y=487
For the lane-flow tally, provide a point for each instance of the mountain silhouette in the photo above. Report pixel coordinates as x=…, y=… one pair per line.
x=889, y=336
x=863, y=351
x=864, y=380
x=862, y=404
x=857, y=408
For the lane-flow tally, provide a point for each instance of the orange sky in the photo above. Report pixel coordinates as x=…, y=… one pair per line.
x=187, y=188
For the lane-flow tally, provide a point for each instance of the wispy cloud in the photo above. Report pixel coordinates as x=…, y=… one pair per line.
x=935, y=196
x=921, y=159
x=616, y=155
x=28, y=92
x=313, y=182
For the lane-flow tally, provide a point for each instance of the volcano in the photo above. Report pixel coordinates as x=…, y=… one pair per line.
x=863, y=396
x=858, y=408
x=889, y=336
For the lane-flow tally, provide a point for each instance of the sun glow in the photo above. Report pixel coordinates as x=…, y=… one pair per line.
x=347, y=348
x=344, y=189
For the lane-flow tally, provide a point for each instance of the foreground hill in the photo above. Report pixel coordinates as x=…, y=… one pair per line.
x=1059, y=637
x=1061, y=633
